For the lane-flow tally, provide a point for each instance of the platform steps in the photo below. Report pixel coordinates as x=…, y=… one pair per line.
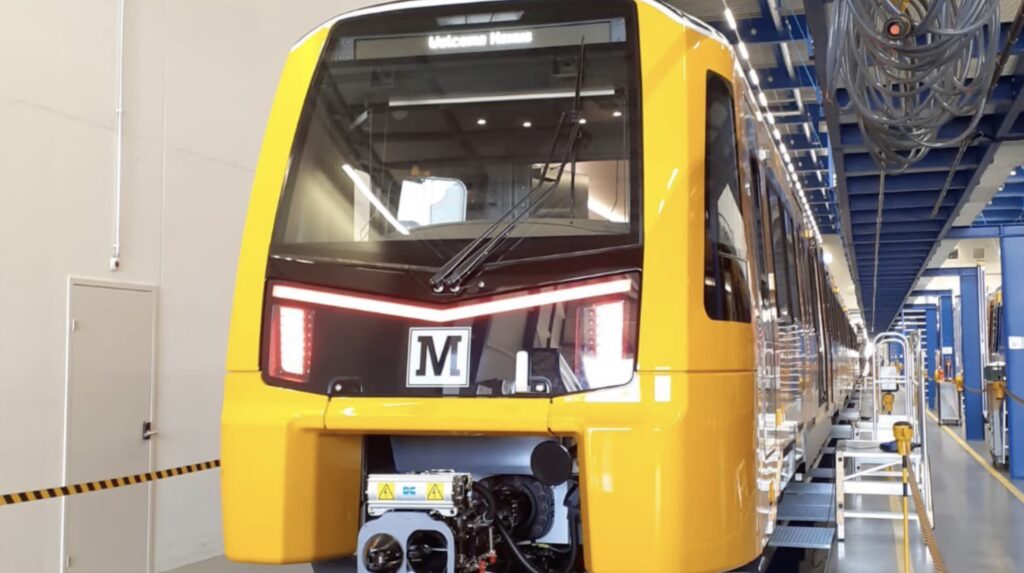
x=806, y=513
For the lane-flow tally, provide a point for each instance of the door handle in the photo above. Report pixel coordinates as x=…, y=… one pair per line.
x=147, y=431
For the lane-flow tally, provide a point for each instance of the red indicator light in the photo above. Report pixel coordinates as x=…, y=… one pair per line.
x=291, y=343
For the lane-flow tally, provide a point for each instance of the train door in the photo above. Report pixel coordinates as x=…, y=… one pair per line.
x=825, y=377
x=764, y=315
x=787, y=375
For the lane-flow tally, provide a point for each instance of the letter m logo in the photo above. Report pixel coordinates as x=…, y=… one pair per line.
x=438, y=357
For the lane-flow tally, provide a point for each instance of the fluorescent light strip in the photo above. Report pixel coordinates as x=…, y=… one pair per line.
x=606, y=212
x=443, y=315
x=730, y=19
x=361, y=186
x=499, y=98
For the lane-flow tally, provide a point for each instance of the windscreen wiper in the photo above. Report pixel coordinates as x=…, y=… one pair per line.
x=476, y=253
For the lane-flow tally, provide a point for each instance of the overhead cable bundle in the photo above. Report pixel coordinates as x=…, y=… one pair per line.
x=910, y=68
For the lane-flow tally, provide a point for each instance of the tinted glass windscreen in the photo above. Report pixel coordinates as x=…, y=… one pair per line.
x=413, y=143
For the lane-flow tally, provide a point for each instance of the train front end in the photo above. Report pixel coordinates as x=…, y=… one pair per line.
x=439, y=360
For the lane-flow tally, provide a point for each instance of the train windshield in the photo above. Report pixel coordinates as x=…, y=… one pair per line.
x=424, y=128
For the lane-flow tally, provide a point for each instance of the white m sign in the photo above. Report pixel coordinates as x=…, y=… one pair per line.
x=438, y=357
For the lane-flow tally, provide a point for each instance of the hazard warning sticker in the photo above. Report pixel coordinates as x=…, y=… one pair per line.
x=386, y=491
x=435, y=492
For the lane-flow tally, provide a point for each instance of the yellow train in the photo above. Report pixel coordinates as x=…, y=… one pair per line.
x=524, y=286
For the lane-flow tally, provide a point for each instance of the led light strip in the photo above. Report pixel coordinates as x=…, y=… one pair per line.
x=443, y=315
x=499, y=98
x=767, y=115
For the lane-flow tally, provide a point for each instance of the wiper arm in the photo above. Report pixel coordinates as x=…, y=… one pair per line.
x=473, y=255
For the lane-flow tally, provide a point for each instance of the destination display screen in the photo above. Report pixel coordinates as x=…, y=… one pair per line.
x=480, y=40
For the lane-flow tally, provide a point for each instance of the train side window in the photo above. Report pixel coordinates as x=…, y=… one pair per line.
x=794, y=281
x=726, y=290
x=757, y=193
x=782, y=286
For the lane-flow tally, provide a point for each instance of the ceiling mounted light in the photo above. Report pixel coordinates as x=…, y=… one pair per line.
x=743, y=50
x=481, y=121
x=730, y=19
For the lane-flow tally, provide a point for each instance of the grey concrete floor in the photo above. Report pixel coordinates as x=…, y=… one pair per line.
x=222, y=565
x=978, y=524
x=978, y=521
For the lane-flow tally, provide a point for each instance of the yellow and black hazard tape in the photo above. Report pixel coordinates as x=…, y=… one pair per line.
x=79, y=488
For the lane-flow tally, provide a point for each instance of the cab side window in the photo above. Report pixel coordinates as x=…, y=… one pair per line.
x=726, y=290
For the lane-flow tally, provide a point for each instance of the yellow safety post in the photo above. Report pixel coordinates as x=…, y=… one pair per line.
x=888, y=402
x=904, y=433
x=998, y=391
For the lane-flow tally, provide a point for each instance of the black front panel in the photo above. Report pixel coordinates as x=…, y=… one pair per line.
x=573, y=346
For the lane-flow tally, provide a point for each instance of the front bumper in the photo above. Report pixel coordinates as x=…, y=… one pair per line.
x=667, y=466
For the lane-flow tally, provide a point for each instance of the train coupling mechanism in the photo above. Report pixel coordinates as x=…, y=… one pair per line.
x=444, y=521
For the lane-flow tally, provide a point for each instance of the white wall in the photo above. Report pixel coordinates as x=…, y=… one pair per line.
x=200, y=76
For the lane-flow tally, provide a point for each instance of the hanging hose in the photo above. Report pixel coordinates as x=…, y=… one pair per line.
x=911, y=68
x=927, y=533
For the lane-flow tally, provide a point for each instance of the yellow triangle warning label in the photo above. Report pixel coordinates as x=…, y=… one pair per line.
x=435, y=492
x=386, y=492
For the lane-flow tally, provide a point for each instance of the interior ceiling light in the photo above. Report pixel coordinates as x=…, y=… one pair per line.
x=366, y=192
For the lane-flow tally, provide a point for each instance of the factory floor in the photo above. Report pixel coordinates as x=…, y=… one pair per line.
x=978, y=520
x=978, y=517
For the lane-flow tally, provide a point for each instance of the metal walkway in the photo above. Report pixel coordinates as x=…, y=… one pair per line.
x=978, y=521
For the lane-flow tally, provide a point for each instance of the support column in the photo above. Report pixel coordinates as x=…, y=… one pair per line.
x=947, y=331
x=1012, y=259
x=971, y=290
x=932, y=347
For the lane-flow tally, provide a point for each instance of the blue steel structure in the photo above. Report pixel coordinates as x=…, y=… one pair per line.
x=1011, y=238
x=789, y=44
x=931, y=337
x=842, y=180
x=971, y=292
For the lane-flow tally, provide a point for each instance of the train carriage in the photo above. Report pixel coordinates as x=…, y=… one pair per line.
x=524, y=286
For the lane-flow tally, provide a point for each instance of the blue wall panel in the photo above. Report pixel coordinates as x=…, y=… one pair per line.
x=1013, y=316
x=971, y=289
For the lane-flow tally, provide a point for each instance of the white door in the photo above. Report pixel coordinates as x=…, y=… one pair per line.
x=109, y=398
